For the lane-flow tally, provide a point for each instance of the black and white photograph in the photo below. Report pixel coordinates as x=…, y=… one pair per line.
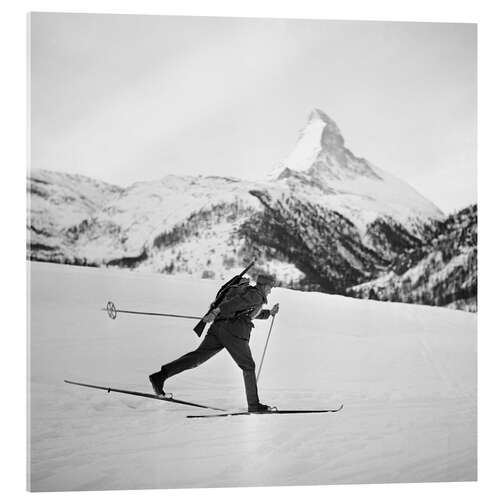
x=251, y=252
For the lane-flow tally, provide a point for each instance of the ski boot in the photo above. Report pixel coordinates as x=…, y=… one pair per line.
x=260, y=408
x=157, y=380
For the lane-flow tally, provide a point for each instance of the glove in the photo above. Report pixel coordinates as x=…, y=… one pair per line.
x=274, y=310
x=208, y=318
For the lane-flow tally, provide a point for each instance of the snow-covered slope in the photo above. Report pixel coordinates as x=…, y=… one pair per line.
x=325, y=220
x=406, y=375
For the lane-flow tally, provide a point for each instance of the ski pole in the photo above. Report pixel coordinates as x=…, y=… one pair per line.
x=265, y=347
x=113, y=311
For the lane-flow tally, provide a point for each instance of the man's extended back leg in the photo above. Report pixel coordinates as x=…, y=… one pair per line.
x=209, y=347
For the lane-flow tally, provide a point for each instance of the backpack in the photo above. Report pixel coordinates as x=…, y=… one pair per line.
x=236, y=290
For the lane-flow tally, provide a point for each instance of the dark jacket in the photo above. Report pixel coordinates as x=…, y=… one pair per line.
x=238, y=311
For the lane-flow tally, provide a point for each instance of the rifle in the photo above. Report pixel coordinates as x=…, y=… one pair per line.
x=221, y=294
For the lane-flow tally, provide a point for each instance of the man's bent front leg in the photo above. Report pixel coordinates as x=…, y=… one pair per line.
x=251, y=387
x=240, y=352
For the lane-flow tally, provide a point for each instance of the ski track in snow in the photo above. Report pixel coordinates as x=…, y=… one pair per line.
x=406, y=375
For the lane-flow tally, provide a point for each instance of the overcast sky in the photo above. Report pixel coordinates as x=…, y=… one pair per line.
x=130, y=98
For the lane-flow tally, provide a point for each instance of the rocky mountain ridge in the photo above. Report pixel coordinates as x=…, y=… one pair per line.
x=439, y=270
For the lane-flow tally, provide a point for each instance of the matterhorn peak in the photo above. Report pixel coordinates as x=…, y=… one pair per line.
x=331, y=135
x=321, y=156
x=317, y=114
x=320, y=136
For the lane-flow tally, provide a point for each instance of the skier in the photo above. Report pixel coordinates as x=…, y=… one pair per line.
x=230, y=329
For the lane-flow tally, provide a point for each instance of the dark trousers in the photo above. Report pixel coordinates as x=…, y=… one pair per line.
x=219, y=336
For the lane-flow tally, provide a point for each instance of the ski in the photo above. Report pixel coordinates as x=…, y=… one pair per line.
x=168, y=399
x=272, y=412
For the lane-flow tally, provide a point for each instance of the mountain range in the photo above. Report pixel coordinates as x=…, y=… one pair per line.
x=323, y=220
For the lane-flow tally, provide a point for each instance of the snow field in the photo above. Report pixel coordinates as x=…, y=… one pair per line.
x=406, y=375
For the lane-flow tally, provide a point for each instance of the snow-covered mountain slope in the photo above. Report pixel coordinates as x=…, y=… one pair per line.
x=57, y=202
x=325, y=220
x=405, y=373
x=146, y=210
x=322, y=242
x=441, y=270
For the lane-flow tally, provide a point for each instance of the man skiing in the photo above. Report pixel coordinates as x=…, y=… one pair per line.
x=230, y=329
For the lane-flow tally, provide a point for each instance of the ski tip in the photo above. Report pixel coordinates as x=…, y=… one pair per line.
x=335, y=410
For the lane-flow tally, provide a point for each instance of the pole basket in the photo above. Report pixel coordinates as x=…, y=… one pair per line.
x=110, y=307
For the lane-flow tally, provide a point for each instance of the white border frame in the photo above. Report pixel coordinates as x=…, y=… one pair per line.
x=13, y=30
